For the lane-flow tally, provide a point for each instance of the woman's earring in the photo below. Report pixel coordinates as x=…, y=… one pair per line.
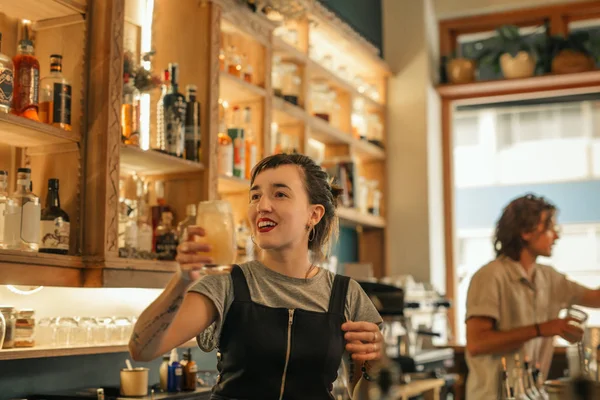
x=312, y=232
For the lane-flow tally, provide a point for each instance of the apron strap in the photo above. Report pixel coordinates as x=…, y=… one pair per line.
x=339, y=290
x=240, y=285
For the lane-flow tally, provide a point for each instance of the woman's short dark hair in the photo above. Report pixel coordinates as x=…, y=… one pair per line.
x=319, y=190
x=521, y=215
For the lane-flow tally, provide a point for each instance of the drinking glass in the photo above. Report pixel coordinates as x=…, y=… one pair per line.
x=216, y=218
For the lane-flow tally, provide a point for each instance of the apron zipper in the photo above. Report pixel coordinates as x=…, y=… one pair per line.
x=289, y=350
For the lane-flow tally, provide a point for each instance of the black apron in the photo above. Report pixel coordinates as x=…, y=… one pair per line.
x=278, y=353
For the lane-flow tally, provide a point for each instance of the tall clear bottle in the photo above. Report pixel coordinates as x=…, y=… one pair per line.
x=3, y=200
x=190, y=219
x=530, y=387
x=538, y=378
x=518, y=384
x=55, y=96
x=505, y=391
x=6, y=81
x=174, y=114
x=161, y=139
x=22, y=216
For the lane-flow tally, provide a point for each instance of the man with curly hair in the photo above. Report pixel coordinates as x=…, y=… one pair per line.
x=513, y=303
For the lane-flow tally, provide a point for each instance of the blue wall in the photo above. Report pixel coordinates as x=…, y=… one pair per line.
x=364, y=16
x=346, y=249
x=481, y=207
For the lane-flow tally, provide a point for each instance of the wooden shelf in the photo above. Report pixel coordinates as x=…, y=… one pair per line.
x=518, y=86
x=236, y=90
x=117, y=272
x=353, y=217
x=367, y=151
x=228, y=184
x=285, y=113
x=24, y=268
x=150, y=162
x=23, y=132
x=324, y=132
x=319, y=72
x=35, y=10
x=288, y=52
x=45, y=352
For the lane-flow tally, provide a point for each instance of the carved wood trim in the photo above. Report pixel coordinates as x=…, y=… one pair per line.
x=103, y=128
x=256, y=25
x=114, y=126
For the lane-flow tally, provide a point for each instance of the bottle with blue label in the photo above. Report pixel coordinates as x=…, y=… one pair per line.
x=175, y=377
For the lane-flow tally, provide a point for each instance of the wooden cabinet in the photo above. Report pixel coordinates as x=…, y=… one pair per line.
x=97, y=168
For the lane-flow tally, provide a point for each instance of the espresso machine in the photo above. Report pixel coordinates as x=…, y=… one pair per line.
x=411, y=341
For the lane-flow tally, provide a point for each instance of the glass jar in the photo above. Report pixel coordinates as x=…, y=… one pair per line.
x=291, y=83
x=374, y=130
x=373, y=198
x=10, y=320
x=363, y=194
x=321, y=99
x=25, y=328
x=277, y=76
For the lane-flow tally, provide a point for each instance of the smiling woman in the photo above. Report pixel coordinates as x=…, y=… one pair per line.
x=280, y=323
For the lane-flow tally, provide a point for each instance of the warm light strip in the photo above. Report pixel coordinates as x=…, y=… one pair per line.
x=145, y=121
x=146, y=46
x=23, y=292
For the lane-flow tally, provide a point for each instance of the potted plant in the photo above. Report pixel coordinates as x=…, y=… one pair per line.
x=511, y=53
x=461, y=68
x=575, y=53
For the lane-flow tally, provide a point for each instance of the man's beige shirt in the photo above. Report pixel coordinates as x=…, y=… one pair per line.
x=502, y=290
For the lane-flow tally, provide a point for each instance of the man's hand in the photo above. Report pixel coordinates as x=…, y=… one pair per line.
x=565, y=328
x=364, y=341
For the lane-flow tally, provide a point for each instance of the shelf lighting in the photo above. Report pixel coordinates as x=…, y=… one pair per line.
x=146, y=46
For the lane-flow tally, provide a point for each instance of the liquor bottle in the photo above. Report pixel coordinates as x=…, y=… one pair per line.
x=22, y=216
x=518, y=385
x=26, y=78
x=130, y=113
x=55, y=96
x=505, y=392
x=157, y=210
x=251, y=148
x=54, y=226
x=530, y=388
x=192, y=125
x=166, y=238
x=225, y=153
x=3, y=200
x=161, y=139
x=6, y=81
x=236, y=133
x=190, y=373
x=190, y=219
x=174, y=115
x=539, y=382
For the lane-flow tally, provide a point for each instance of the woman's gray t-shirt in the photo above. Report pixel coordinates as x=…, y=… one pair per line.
x=273, y=289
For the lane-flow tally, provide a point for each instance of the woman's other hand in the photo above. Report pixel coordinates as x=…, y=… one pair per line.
x=364, y=341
